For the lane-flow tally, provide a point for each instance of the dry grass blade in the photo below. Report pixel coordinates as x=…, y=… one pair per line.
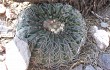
x=76, y=64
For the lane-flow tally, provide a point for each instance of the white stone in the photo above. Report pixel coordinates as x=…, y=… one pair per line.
x=6, y=31
x=89, y=67
x=17, y=54
x=104, y=61
x=3, y=28
x=8, y=13
x=104, y=25
x=101, y=37
x=2, y=9
x=98, y=68
x=14, y=5
x=2, y=66
x=2, y=57
x=1, y=48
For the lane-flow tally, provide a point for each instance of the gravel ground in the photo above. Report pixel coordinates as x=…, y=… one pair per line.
x=90, y=57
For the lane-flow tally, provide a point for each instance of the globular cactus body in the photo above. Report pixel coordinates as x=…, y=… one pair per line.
x=56, y=30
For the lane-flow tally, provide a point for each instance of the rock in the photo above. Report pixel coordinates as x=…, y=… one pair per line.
x=89, y=67
x=104, y=25
x=14, y=5
x=2, y=57
x=3, y=28
x=6, y=31
x=104, y=61
x=2, y=9
x=18, y=9
x=2, y=66
x=17, y=54
x=1, y=48
x=78, y=67
x=101, y=37
x=98, y=68
x=25, y=3
x=10, y=14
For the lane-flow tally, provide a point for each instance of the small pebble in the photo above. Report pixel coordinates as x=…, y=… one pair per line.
x=25, y=3
x=101, y=37
x=2, y=57
x=2, y=9
x=89, y=67
x=1, y=48
x=2, y=66
x=104, y=25
x=9, y=14
x=14, y=5
x=104, y=61
x=3, y=29
x=98, y=68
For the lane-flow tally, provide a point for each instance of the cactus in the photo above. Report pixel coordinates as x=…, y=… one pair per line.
x=56, y=30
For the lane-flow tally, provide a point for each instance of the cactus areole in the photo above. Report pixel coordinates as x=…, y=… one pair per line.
x=53, y=26
x=56, y=30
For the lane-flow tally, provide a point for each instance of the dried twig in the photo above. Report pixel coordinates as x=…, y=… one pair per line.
x=98, y=16
x=77, y=63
